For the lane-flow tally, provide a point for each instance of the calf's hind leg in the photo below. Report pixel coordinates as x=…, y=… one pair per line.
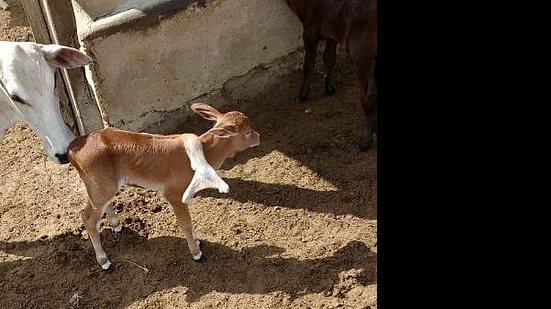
x=113, y=218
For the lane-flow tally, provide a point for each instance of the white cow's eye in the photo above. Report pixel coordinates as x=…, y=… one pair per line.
x=18, y=99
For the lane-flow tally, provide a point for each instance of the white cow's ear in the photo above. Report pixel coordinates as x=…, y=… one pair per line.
x=65, y=57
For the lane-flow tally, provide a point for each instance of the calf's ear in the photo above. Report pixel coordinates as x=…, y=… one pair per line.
x=206, y=111
x=65, y=57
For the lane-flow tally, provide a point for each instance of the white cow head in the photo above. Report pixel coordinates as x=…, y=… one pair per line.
x=27, y=92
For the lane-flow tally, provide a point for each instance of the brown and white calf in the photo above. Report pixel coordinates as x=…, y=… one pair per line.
x=350, y=22
x=110, y=158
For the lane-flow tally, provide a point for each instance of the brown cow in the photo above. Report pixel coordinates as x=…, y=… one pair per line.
x=349, y=22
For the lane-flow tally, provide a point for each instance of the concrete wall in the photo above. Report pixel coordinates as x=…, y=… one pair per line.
x=97, y=9
x=154, y=58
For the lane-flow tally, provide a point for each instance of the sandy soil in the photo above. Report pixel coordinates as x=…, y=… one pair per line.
x=297, y=230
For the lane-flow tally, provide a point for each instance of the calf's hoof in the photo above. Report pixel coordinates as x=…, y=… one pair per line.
x=118, y=228
x=107, y=267
x=199, y=257
x=108, y=270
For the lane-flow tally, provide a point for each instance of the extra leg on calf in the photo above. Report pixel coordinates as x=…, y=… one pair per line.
x=204, y=176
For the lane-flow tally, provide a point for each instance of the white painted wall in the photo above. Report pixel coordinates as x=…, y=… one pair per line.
x=141, y=71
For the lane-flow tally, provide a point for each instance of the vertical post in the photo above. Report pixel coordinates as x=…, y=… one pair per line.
x=53, y=22
x=37, y=21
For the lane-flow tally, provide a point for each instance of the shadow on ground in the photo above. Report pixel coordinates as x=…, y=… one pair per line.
x=322, y=139
x=67, y=261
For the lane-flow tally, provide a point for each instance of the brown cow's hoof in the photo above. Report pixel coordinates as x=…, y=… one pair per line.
x=301, y=98
x=329, y=91
x=364, y=146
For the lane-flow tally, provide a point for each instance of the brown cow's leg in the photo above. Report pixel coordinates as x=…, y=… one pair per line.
x=363, y=53
x=310, y=49
x=369, y=105
x=329, y=59
x=372, y=92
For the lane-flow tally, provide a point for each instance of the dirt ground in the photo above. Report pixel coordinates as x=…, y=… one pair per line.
x=297, y=230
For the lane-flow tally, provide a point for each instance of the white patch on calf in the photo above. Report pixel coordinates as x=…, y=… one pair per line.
x=204, y=176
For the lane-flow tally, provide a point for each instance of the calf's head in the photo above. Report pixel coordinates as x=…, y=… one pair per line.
x=234, y=126
x=27, y=79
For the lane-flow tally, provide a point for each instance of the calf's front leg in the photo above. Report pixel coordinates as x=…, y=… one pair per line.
x=184, y=220
x=91, y=216
x=99, y=201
